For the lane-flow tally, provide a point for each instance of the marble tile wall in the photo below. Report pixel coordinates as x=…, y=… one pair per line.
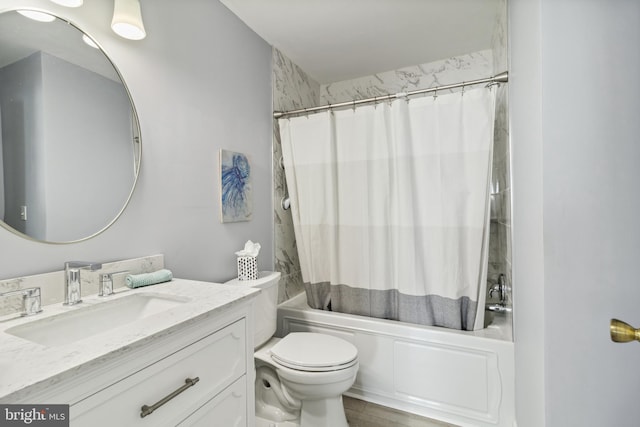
x=292, y=89
x=451, y=70
x=52, y=284
x=500, y=237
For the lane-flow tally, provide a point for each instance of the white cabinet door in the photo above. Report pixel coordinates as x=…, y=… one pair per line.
x=217, y=360
x=228, y=409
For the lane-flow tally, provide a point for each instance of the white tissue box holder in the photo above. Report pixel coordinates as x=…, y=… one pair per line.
x=247, y=268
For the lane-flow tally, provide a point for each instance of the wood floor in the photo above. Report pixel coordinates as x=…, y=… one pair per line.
x=366, y=414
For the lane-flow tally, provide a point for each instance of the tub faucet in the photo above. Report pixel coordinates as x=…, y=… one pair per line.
x=72, y=293
x=500, y=288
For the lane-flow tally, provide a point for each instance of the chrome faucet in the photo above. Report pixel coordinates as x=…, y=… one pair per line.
x=31, y=302
x=105, y=287
x=500, y=288
x=72, y=293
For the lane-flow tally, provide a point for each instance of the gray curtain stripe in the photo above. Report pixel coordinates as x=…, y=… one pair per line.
x=431, y=310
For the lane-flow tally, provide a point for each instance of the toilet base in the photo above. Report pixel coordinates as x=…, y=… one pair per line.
x=323, y=413
x=261, y=422
x=315, y=413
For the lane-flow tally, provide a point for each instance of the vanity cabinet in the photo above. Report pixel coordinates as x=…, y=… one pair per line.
x=214, y=366
x=226, y=409
x=202, y=369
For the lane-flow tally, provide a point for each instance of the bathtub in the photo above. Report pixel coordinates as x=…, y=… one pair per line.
x=463, y=378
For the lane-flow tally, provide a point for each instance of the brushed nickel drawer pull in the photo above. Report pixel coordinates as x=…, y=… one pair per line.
x=148, y=410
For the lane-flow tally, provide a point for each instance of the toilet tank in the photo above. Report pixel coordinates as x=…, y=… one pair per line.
x=265, y=306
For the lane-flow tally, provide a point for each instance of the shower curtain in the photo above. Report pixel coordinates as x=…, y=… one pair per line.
x=390, y=205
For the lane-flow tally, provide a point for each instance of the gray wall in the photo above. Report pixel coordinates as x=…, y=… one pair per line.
x=89, y=149
x=591, y=101
x=201, y=82
x=64, y=146
x=575, y=97
x=525, y=111
x=23, y=153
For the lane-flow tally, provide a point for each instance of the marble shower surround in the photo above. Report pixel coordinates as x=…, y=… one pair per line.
x=457, y=69
x=500, y=237
x=293, y=89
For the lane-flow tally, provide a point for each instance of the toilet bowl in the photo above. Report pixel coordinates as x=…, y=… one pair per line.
x=313, y=370
x=300, y=378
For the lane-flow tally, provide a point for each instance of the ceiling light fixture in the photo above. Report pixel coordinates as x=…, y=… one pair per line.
x=69, y=3
x=37, y=16
x=127, y=20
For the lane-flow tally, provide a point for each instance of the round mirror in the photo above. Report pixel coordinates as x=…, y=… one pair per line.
x=69, y=134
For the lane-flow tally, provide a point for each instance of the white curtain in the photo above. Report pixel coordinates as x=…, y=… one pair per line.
x=390, y=205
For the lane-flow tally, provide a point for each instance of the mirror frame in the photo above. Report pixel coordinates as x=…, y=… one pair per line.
x=136, y=131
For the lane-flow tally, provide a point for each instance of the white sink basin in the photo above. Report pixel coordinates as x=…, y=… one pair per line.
x=89, y=320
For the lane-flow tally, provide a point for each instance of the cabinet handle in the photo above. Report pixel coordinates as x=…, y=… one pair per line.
x=148, y=410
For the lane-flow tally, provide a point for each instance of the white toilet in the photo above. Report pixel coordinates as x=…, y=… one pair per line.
x=301, y=377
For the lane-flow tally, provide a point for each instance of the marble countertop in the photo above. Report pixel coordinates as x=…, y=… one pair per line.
x=26, y=366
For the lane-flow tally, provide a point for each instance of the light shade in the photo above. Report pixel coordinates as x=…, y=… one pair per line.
x=127, y=20
x=37, y=16
x=89, y=41
x=69, y=3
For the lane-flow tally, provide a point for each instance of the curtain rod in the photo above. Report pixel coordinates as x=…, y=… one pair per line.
x=498, y=78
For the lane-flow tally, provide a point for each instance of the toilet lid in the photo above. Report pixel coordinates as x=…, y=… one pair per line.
x=308, y=351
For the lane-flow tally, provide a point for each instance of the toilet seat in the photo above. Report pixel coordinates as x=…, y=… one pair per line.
x=313, y=352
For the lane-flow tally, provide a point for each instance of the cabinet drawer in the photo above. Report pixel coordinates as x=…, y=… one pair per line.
x=228, y=409
x=218, y=360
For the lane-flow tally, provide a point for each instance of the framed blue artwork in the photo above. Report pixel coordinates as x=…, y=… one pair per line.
x=236, y=201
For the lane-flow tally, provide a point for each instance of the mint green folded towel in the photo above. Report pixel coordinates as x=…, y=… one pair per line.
x=146, y=279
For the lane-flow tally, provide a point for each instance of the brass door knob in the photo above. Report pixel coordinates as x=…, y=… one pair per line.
x=623, y=332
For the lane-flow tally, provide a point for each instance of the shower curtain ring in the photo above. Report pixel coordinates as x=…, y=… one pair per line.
x=435, y=94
